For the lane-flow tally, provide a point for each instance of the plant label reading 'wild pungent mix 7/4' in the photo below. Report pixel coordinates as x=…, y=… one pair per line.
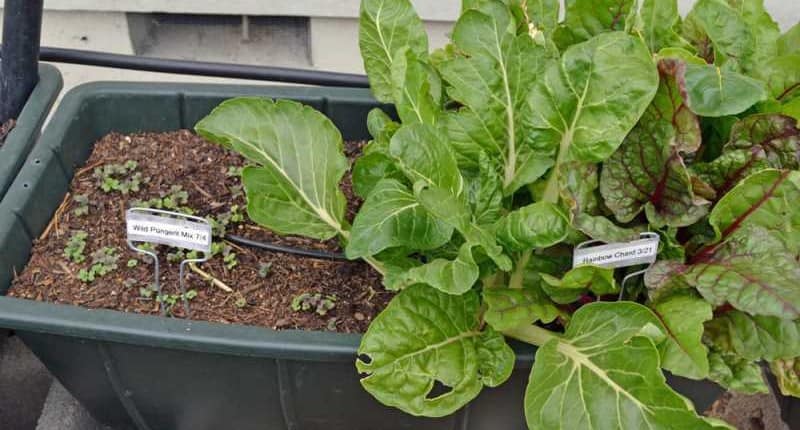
x=641, y=251
x=168, y=228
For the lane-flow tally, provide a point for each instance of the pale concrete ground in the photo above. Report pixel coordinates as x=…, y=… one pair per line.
x=24, y=383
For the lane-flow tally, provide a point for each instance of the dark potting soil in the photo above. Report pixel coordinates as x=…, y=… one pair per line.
x=6, y=128
x=201, y=169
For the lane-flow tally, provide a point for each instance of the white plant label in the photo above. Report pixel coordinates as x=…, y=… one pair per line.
x=168, y=228
x=641, y=251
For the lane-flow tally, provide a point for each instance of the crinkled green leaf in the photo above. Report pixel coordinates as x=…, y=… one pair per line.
x=579, y=183
x=587, y=18
x=648, y=172
x=735, y=373
x=543, y=14
x=683, y=314
x=782, y=75
x=390, y=217
x=604, y=374
x=491, y=79
x=786, y=373
x=381, y=126
x=370, y=169
x=603, y=229
x=495, y=358
x=658, y=24
x=298, y=153
x=713, y=92
x=719, y=34
x=425, y=336
x=454, y=210
x=576, y=282
x=765, y=199
x=751, y=271
x=789, y=42
x=587, y=102
x=385, y=28
x=423, y=153
x=764, y=30
x=417, y=88
x=537, y=225
x=450, y=276
x=511, y=307
x=758, y=337
x=757, y=142
x=485, y=193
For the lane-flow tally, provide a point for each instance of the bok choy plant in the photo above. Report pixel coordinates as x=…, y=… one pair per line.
x=525, y=136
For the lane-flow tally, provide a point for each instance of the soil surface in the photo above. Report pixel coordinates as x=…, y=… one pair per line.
x=6, y=128
x=339, y=295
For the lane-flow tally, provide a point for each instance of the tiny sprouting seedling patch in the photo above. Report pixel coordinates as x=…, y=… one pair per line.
x=104, y=261
x=132, y=263
x=264, y=269
x=317, y=303
x=75, y=247
x=170, y=300
x=81, y=205
x=118, y=177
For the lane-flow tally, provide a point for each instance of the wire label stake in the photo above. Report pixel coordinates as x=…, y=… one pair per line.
x=145, y=225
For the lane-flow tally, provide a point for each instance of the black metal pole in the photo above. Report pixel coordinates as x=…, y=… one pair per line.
x=203, y=68
x=22, y=29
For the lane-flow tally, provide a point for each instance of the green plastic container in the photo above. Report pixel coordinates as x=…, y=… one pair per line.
x=22, y=138
x=150, y=373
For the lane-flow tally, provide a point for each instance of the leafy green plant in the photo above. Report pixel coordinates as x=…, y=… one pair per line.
x=524, y=137
x=170, y=300
x=75, y=247
x=82, y=205
x=317, y=303
x=118, y=177
x=104, y=261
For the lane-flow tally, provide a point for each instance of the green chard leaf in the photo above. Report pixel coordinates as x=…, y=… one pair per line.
x=538, y=225
x=603, y=229
x=648, y=172
x=423, y=337
x=587, y=102
x=543, y=14
x=423, y=153
x=683, y=313
x=789, y=42
x=485, y=192
x=585, y=19
x=417, y=88
x=735, y=373
x=491, y=79
x=387, y=27
x=294, y=187
x=450, y=276
x=758, y=337
x=392, y=217
x=757, y=142
x=578, y=281
x=657, y=22
x=587, y=379
x=787, y=373
x=720, y=34
x=511, y=307
x=712, y=91
x=752, y=263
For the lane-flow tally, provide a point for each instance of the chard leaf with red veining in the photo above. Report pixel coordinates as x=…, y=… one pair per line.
x=647, y=172
x=757, y=142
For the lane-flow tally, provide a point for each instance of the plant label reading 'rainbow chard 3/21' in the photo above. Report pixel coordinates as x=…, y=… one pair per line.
x=641, y=251
x=168, y=228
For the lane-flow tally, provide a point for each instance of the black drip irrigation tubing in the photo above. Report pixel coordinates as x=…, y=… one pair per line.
x=203, y=68
x=322, y=255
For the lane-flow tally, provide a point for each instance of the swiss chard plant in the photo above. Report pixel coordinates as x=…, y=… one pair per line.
x=525, y=136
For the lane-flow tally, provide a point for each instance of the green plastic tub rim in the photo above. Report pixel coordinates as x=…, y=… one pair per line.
x=29, y=123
